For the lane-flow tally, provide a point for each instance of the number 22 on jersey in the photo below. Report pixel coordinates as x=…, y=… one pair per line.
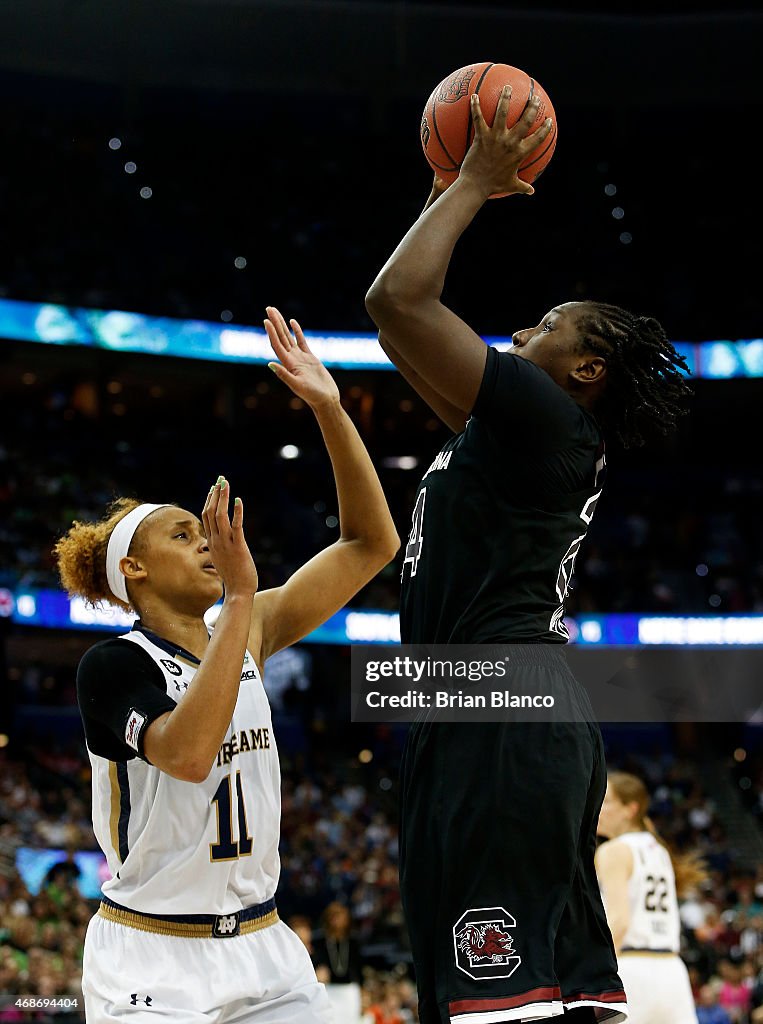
x=416, y=537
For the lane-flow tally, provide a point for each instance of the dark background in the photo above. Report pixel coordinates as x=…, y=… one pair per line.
x=288, y=133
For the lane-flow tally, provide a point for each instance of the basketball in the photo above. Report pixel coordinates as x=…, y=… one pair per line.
x=446, y=124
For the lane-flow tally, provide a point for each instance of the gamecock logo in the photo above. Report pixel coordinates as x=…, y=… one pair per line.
x=483, y=944
x=456, y=87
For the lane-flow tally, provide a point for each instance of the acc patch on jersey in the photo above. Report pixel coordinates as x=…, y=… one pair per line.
x=135, y=723
x=483, y=945
x=172, y=666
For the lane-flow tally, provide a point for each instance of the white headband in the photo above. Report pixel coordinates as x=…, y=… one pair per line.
x=119, y=544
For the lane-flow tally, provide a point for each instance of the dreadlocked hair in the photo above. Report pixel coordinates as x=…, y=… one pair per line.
x=646, y=391
x=689, y=868
x=81, y=555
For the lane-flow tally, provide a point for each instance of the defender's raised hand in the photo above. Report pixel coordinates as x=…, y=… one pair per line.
x=303, y=371
x=495, y=155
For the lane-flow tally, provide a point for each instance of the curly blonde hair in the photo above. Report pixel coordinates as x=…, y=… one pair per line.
x=81, y=555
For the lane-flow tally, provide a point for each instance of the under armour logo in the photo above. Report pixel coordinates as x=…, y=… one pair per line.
x=135, y=999
x=226, y=925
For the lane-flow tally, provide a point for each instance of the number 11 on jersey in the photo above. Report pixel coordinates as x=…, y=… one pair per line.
x=226, y=847
x=416, y=536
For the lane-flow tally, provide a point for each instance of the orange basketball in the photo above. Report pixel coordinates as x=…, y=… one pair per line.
x=446, y=124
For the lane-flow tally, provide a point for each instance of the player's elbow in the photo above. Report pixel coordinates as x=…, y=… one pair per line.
x=372, y=551
x=384, y=541
x=185, y=769
x=387, y=300
x=388, y=547
x=172, y=756
x=377, y=301
x=196, y=771
x=381, y=549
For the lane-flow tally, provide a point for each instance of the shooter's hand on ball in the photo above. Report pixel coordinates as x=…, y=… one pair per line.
x=494, y=157
x=305, y=374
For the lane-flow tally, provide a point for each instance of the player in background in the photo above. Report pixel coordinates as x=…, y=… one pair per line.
x=641, y=881
x=185, y=773
x=498, y=820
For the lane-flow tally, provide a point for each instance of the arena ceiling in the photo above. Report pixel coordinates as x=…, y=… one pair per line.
x=594, y=52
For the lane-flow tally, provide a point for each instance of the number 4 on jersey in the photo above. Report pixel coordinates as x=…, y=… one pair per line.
x=416, y=536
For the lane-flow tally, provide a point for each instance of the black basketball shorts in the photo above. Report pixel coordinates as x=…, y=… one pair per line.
x=497, y=839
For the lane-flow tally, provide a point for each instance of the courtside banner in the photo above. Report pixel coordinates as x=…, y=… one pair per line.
x=554, y=683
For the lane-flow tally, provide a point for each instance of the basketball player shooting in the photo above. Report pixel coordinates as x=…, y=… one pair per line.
x=498, y=820
x=185, y=773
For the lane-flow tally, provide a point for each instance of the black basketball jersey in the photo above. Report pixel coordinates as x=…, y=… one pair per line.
x=500, y=515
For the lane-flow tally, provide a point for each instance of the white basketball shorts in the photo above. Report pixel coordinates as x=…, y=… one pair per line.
x=141, y=977
x=658, y=989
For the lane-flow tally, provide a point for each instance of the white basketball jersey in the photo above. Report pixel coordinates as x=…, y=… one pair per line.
x=654, y=922
x=177, y=847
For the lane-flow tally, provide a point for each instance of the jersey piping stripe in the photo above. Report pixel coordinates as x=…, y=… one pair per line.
x=115, y=806
x=123, y=782
x=164, y=645
x=194, y=663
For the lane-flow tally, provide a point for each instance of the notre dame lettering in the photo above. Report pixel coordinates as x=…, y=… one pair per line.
x=242, y=742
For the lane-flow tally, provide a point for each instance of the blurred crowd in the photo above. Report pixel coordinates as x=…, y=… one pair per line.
x=338, y=885
x=685, y=542
x=677, y=529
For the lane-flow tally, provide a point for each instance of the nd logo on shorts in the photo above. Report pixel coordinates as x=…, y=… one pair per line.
x=226, y=926
x=483, y=945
